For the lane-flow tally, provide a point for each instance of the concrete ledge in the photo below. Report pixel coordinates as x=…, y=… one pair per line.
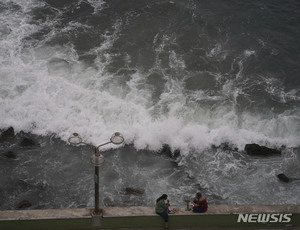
x=213, y=209
x=141, y=211
x=145, y=217
x=44, y=214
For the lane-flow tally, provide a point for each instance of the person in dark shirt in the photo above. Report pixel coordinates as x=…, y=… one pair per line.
x=200, y=203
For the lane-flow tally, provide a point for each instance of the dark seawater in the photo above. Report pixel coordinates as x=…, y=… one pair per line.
x=203, y=77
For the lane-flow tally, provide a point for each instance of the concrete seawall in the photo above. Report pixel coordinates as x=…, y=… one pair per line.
x=218, y=216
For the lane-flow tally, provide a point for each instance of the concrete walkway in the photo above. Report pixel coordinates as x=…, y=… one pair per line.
x=140, y=217
x=141, y=211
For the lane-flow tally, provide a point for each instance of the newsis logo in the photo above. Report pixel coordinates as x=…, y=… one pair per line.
x=264, y=218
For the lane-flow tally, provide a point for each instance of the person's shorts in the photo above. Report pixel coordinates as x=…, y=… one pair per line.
x=164, y=215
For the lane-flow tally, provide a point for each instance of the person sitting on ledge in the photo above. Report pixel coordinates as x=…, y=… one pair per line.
x=200, y=203
x=161, y=209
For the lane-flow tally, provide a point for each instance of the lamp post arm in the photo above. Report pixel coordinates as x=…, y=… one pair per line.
x=103, y=144
x=97, y=148
x=84, y=143
x=94, y=146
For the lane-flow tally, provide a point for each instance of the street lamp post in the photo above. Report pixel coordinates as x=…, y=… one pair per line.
x=97, y=160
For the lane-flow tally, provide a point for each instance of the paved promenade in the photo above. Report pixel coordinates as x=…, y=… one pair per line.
x=139, y=217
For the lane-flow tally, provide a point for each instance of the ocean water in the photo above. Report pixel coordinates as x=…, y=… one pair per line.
x=203, y=77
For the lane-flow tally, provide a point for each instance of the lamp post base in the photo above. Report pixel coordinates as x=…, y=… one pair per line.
x=97, y=217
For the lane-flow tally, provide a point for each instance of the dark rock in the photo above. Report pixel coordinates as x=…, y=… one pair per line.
x=257, y=150
x=166, y=151
x=283, y=178
x=133, y=191
x=8, y=134
x=286, y=179
x=176, y=153
x=10, y=155
x=226, y=147
x=27, y=142
x=24, y=204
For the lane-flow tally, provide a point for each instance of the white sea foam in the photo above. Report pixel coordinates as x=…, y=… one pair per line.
x=46, y=89
x=97, y=4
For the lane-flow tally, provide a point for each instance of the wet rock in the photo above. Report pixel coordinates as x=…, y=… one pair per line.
x=283, y=178
x=286, y=179
x=24, y=204
x=10, y=155
x=228, y=147
x=257, y=150
x=7, y=135
x=134, y=191
x=26, y=142
x=166, y=151
x=225, y=147
x=176, y=153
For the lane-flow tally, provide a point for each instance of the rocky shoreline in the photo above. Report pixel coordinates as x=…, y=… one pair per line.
x=11, y=144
